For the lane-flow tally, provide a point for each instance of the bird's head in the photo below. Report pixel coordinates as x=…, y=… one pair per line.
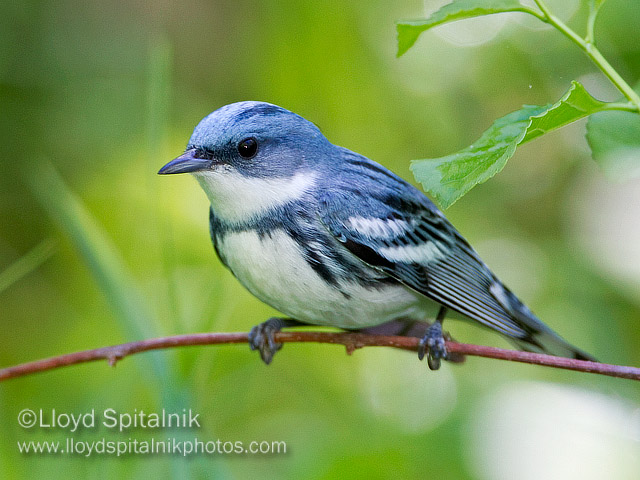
x=251, y=156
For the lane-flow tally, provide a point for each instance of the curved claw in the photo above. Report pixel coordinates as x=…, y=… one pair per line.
x=433, y=344
x=261, y=338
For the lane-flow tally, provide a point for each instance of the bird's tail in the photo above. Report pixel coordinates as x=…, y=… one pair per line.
x=538, y=337
x=552, y=344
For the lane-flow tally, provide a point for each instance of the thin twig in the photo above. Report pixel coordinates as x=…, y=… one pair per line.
x=351, y=341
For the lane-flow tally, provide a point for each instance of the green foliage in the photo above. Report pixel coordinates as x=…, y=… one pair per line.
x=450, y=177
x=409, y=31
x=613, y=137
x=575, y=104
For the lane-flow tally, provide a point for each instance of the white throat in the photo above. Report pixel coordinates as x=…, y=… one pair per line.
x=236, y=198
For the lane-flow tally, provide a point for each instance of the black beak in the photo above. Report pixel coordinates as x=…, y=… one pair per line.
x=186, y=163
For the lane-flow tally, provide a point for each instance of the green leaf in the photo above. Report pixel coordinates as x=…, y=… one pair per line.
x=575, y=104
x=409, y=31
x=449, y=178
x=614, y=138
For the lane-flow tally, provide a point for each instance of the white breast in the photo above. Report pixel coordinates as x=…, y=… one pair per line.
x=273, y=268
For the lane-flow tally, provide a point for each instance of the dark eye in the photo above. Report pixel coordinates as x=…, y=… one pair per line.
x=248, y=147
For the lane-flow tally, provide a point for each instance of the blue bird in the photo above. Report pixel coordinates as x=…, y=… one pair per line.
x=328, y=237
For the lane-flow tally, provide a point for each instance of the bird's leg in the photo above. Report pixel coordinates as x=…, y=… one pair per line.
x=433, y=342
x=261, y=336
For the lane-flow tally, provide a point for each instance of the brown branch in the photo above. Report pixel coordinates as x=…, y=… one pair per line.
x=351, y=341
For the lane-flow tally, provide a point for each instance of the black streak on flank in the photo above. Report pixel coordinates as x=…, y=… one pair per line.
x=315, y=261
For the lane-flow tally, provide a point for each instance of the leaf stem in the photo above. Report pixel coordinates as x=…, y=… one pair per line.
x=611, y=73
x=588, y=46
x=534, y=12
x=591, y=23
x=621, y=106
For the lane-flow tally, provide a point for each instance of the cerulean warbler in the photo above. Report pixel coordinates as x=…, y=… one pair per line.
x=329, y=237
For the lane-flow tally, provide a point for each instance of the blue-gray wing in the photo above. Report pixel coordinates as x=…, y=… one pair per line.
x=397, y=230
x=393, y=227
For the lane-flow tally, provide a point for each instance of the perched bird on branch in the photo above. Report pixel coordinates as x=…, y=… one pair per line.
x=329, y=237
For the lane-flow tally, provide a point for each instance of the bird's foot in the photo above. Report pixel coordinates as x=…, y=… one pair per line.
x=433, y=345
x=261, y=337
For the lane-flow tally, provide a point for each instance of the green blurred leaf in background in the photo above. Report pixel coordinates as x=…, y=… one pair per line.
x=614, y=138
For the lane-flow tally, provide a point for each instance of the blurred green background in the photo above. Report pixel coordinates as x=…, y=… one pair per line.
x=96, y=249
